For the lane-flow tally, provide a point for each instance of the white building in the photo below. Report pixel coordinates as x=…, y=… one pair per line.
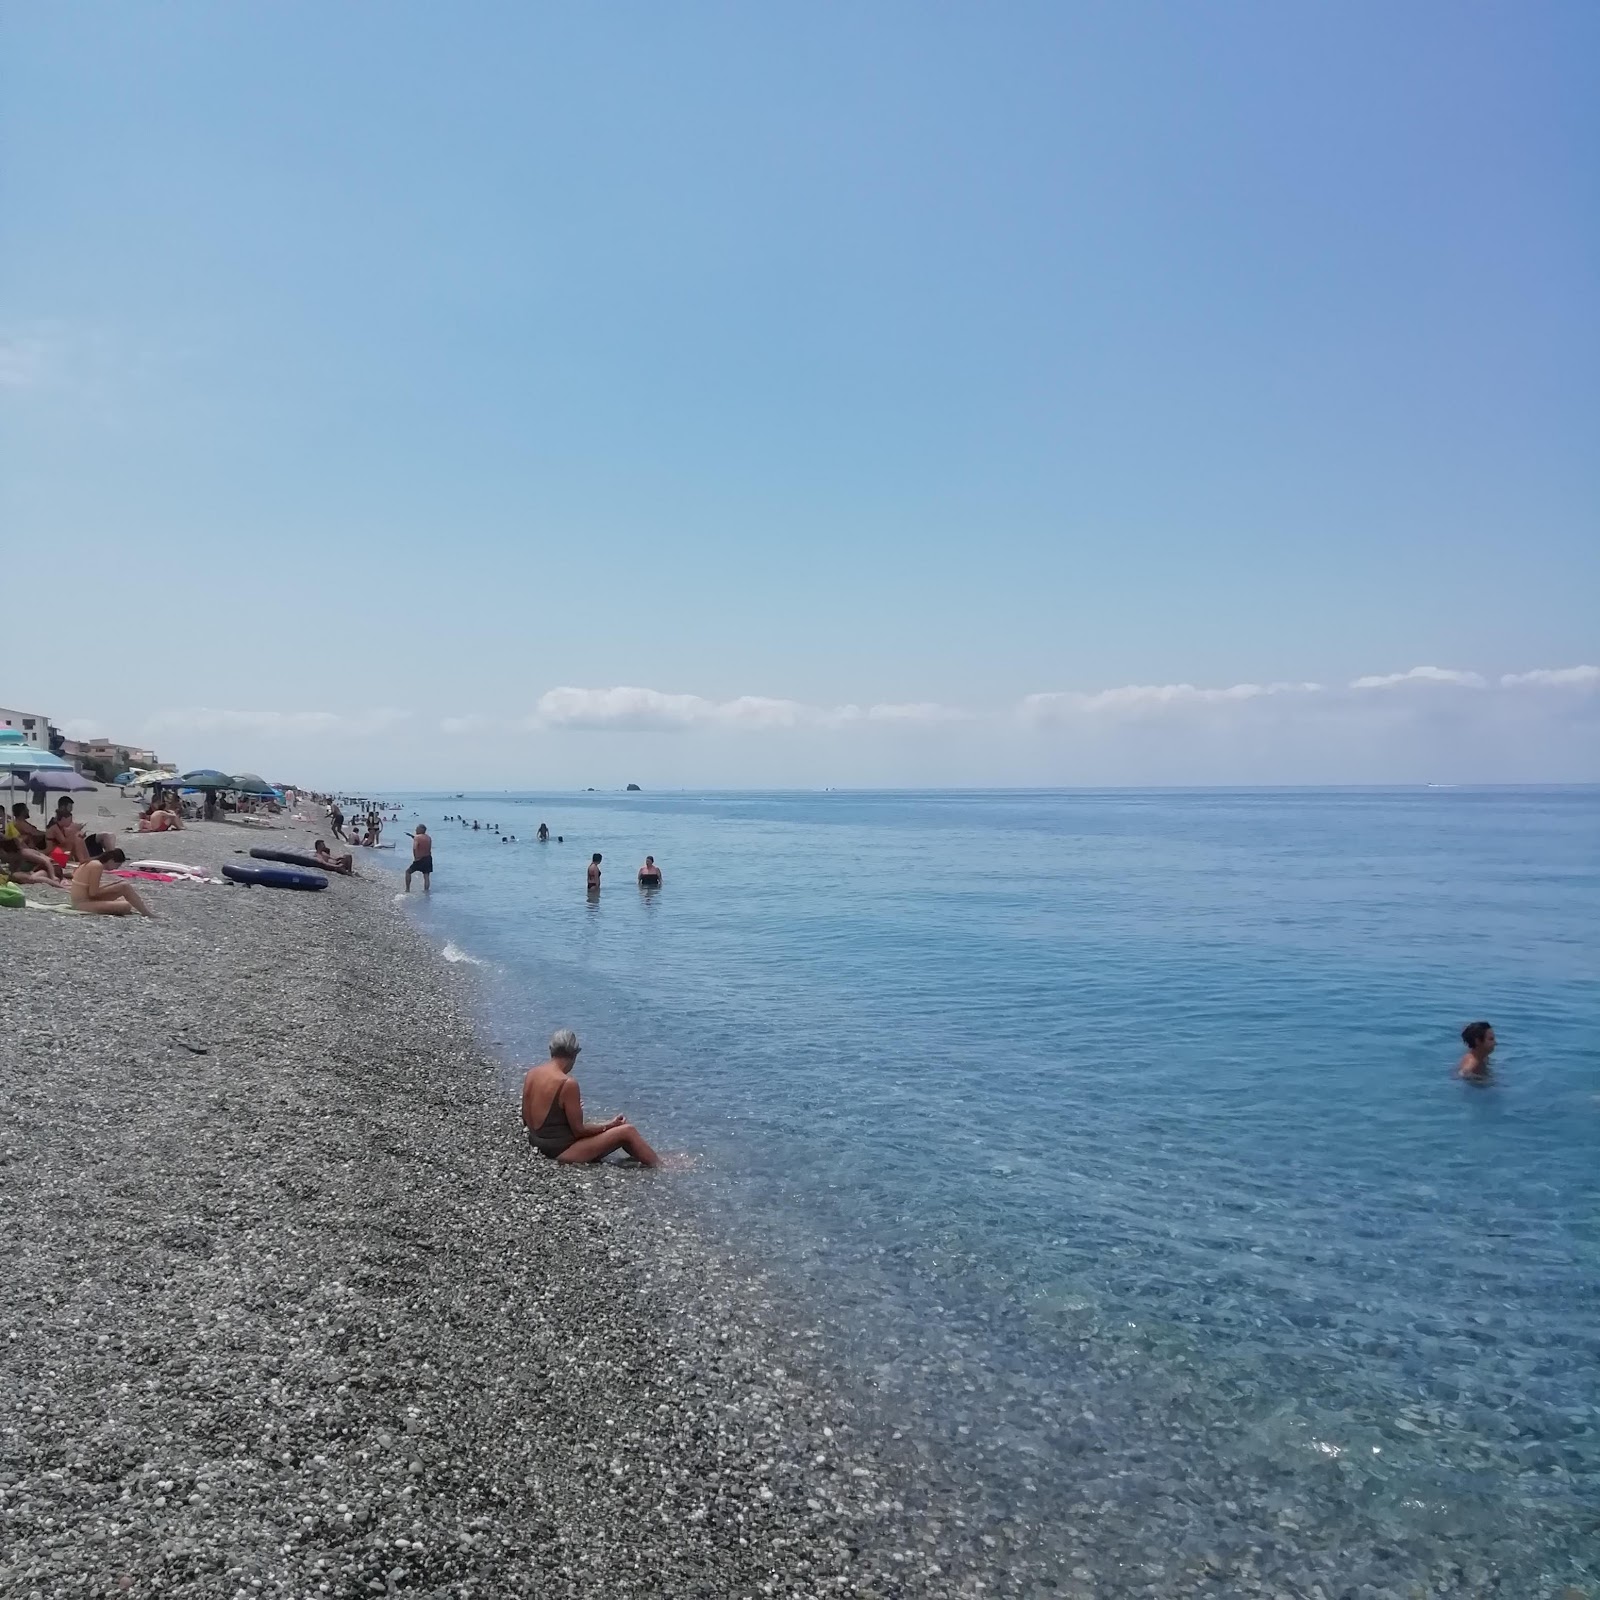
x=34, y=729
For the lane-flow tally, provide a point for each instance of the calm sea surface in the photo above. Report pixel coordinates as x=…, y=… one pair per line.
x=1111, y=1138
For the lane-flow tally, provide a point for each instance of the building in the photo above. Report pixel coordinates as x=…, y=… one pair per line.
x=105, y=758
x=35, y=729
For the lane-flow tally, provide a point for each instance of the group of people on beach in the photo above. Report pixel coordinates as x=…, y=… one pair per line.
x=64, y=855
x=366, y=826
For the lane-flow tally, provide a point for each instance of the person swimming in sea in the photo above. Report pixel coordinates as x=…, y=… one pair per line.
x=1479, y=1039
x=650, y=874
x=544, y=834
x=552, y=1113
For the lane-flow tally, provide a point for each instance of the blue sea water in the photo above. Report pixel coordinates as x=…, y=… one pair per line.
x=1111, y=1139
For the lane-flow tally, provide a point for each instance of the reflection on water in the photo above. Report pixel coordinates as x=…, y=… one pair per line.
x=1113, y=1137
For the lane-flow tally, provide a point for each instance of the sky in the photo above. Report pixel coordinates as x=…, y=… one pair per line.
x=893, y=394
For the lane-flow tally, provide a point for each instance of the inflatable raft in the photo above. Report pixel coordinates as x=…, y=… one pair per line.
x=275, y=877
x=290, y=859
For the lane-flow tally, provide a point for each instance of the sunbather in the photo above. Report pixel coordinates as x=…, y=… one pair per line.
x=24, y=829
x=23, y=864
x=156, y=819
x=65, y=834
x=326, y=858
x=97, y=895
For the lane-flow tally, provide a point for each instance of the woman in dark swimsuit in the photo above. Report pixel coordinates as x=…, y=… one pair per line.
x=650, y=874
x=552, y=1112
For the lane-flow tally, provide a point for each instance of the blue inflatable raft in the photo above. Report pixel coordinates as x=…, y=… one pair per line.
x=275, y=877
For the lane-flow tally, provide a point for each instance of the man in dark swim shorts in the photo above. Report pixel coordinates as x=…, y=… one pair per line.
x=421, y=859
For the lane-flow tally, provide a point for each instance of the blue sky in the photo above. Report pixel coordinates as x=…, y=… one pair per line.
x=819, y=394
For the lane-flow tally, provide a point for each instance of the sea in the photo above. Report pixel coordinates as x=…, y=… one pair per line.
x=1109, y=1142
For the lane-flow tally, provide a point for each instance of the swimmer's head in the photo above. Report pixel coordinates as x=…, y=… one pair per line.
x=564, y=1045
x=597, y=858
x=1479, y=1038
x=649, y=861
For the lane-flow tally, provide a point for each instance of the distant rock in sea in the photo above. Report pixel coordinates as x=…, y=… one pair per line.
x=633, y=788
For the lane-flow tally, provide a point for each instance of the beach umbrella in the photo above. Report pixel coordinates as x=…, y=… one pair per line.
x=249, y=783
x=68, y=781
x=17, y=755
x=204, y=778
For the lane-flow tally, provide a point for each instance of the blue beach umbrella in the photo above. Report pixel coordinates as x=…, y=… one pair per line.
x=205, y=778
x=19, y=759
x=17, y=755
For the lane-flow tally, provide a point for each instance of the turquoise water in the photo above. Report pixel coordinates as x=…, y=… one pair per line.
x=1111, y=1140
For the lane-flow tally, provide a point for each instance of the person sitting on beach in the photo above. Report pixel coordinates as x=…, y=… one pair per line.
x=65, y=834
x=552, y=1112
x=156, y=819
x=421, y=859
x=1479, y=1039
x=594, y=873
x=24, y=829
x=95, y=896
x=21, y=863
x=650, y=873
x=326, y=858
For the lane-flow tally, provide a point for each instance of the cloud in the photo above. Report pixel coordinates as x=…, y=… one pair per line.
x=276, y=724
x=1443, y=675
x=920, y=712
x=1142, y=699
x=632, y=710
x=1553, y=678
x=25, y=361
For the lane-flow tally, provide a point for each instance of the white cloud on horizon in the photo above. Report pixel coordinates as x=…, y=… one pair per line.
x=626, y=709
x=275, y=724
x=1142, y=698
x=629, y=709
x=1440, y=675
x=1552, y=678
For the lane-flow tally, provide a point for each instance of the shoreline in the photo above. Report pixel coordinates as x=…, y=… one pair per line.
x=301, y=1314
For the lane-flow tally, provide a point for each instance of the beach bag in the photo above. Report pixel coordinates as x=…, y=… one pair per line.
x=11, y=897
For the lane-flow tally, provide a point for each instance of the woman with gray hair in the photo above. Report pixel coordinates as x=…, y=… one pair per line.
x=552, y=1112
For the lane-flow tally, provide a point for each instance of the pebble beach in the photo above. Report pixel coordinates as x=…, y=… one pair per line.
x=291, y=1310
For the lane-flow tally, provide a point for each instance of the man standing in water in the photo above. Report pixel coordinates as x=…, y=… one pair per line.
x=421, y=859
x=1479, y=1039
x=594, y=873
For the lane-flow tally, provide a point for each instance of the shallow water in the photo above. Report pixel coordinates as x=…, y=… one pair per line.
x=1112, y=1138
